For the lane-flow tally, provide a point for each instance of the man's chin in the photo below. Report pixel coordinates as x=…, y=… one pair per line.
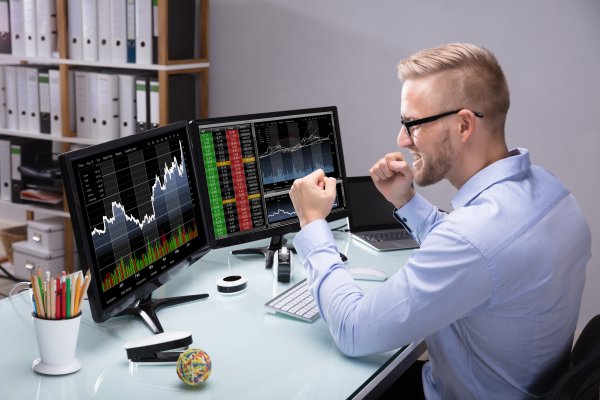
x=424, y=181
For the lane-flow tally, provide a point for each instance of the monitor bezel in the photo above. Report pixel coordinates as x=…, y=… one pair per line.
x=86, y=251
x=284, y=228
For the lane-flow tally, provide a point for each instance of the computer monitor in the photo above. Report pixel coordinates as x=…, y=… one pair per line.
x=248, y=164
x=136, y=217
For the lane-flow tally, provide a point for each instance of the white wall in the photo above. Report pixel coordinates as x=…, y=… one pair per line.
x=284, y=54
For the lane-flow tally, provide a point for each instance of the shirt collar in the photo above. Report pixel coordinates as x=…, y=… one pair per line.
x=516, y=164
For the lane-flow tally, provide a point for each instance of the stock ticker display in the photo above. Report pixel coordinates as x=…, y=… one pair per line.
x=140, y=210
x=251, y=165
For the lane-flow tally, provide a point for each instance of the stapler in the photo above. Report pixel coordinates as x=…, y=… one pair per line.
x=155, y=348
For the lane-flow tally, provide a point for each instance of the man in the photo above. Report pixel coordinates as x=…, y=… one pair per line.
x=496, y=285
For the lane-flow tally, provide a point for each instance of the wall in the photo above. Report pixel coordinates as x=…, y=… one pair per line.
x=275, y=55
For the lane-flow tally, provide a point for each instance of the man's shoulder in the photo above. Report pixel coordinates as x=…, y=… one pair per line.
x=505, y=210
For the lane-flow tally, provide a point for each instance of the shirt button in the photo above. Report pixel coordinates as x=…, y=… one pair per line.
x=403, y=219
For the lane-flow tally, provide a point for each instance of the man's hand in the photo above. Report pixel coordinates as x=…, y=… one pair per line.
x=393, y=178
x=313, y=196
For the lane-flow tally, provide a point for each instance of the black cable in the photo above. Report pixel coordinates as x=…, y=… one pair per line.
x=339, y=228
x=8, y=275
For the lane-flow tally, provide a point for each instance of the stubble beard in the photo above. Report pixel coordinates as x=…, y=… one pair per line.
x=435, y=167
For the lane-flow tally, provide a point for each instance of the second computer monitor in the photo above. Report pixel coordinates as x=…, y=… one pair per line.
x=248, y=163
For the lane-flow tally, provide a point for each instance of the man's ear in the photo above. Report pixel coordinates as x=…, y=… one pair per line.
x=467, y=121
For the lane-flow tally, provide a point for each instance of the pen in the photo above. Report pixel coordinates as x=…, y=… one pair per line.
x=53, y=298
x=58, y=301
x=46, y=300
x=63, y=298
x=68, y=304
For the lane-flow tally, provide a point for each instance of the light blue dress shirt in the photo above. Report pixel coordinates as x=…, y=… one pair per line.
x=495, y=287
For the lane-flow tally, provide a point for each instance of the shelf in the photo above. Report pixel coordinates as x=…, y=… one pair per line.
x=171, y=73
x=10, y=59
x=34, y=208
x=45, y=136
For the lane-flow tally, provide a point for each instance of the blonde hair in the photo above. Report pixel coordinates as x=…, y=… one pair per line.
x=471, y=74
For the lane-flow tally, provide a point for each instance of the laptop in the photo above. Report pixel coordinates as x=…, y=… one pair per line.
x=371, y=220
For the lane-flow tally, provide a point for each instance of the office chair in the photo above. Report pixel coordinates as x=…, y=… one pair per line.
x=582, y=380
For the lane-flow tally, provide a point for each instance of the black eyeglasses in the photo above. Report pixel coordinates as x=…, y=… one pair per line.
x=409, y=124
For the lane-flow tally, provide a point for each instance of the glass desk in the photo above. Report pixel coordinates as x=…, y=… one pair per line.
x=255, y=354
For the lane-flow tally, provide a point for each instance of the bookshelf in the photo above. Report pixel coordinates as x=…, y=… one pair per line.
x=165, y=68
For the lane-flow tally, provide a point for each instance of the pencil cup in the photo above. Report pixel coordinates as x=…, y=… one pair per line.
x=57, y=341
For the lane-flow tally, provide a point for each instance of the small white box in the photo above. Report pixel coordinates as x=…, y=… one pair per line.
x=47, y=234
x=27, y=258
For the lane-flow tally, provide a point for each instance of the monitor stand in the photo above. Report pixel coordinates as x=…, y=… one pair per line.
x=269, y=251
x=147, y=307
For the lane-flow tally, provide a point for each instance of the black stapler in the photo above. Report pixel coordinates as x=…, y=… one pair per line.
x=155, y=348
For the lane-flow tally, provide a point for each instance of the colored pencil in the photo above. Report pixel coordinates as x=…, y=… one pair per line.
x=86, y=284
x=63, y=299
x=58, y=299
x=36, y=303
x=39, y=302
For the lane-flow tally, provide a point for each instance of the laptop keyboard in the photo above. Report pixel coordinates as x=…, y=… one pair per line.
x=385, y=236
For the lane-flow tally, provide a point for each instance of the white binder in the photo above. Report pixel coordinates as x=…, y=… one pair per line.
x=4, y=28
x=46, y=28
x=75, y=29
x=93, y=104
x=55, y=112
x=154, y=108
x=130, y=30
x=143, y=31
x=44, y=95
x=142, y=122
x=72, y=100
x=89, y=23
x=22, y=98
x=127, y=105
x=5, y=172
x=104, y=27
x=33, y=100
x=118, y=31
x=30, y=28
x=108, y=99
x=17, y=30
x=12, y=101
x=2, y=98
x=81, y=104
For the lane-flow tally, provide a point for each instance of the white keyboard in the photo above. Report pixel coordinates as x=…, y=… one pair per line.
x=297, y=301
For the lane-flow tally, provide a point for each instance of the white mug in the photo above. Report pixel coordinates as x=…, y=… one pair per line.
x=57, y=341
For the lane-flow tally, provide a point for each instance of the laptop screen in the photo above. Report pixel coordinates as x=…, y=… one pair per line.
x=369, y=210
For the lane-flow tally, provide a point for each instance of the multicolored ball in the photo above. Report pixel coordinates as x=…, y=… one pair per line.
x=193, y=366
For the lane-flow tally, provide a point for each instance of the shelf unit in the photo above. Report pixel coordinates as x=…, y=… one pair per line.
x=165, y=68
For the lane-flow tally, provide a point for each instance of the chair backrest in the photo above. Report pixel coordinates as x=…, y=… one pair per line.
x=582, y=380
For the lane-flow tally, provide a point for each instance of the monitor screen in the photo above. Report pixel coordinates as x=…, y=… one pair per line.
x=135, y=213
x=248, y=164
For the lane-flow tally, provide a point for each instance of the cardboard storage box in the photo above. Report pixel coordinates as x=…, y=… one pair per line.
x=10, y=235
x=47, y=234
x=28, y=258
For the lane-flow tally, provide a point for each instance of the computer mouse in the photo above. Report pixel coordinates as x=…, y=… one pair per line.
x=368, y=274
